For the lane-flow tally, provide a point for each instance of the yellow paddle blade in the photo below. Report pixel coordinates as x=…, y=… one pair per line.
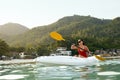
x=56, y=36
x=99, y=58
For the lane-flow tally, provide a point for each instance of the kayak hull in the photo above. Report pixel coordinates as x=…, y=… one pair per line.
x=67, y=60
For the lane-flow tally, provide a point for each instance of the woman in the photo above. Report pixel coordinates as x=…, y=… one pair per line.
x=82, y=49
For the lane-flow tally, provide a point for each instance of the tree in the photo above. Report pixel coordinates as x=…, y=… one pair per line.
x=43, y=50
x=4, y=48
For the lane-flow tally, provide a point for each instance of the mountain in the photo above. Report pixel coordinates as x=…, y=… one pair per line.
x=97, y=33
x=11, y=29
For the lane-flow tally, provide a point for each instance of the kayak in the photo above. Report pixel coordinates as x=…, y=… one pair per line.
x=67, y=60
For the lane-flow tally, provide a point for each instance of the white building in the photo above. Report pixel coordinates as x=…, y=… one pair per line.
x=61, y=51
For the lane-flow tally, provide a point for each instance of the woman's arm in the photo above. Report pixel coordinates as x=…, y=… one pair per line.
x=73, y=46
x=87, y=49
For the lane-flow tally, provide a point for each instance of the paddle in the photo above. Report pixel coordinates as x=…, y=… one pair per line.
x=100, y=58
x=56, y=36
x=59, y=37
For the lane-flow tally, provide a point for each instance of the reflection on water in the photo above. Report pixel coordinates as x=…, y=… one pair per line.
x=108, y=70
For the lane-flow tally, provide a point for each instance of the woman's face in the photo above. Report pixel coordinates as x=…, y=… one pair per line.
x=80, y=42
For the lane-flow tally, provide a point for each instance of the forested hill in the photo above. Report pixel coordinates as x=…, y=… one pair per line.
x=97, y=33
x=9, y=29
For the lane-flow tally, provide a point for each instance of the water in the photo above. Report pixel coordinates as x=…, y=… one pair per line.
x=108, y=70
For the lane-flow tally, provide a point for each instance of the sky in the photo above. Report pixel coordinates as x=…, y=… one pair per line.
x=33, y=13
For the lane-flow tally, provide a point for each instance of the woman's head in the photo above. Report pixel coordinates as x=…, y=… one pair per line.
x=80, y=41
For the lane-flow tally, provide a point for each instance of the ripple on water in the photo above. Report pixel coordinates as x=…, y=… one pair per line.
x=5, y=70
x=108, y=73
x=101, y=71
x=12, y=77
x=16, y=71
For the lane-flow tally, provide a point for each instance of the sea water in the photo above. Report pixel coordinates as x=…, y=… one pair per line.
x=108, y=70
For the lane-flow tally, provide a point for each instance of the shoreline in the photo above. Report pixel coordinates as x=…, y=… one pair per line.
x=23, y=61
x=17, y=61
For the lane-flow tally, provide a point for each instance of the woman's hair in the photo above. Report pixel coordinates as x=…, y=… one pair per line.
x=79, y=40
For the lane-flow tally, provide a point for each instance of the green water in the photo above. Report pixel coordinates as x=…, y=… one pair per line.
x=108, y=70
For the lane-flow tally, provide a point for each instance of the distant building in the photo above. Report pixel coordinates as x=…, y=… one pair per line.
x=22, y=55
x=61, y=51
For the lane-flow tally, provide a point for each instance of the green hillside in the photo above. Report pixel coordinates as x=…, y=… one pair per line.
x=11, y=29
x=97, y=33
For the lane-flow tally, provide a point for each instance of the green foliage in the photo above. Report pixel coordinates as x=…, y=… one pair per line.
x=17, y=49
x=42, y=50
x=4, y=48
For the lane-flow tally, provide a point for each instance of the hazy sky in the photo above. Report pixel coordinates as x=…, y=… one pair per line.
x=32, y=13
